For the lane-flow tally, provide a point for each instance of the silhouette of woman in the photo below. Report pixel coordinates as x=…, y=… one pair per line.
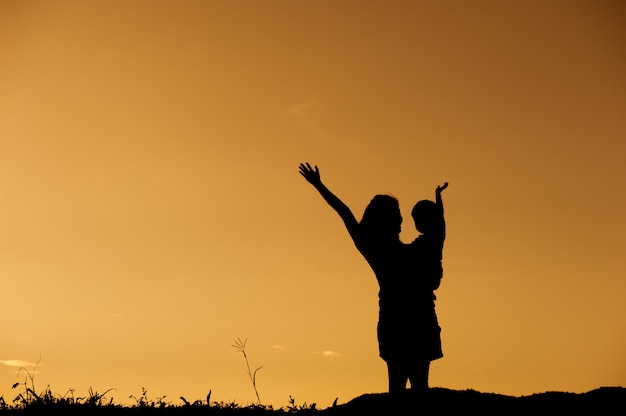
x=377, y=237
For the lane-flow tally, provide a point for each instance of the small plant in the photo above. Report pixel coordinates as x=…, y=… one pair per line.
x=240, y=345
x=29, y=396
x=187, y=403
x=143, y=401
x=294, y=408
x=95, y=399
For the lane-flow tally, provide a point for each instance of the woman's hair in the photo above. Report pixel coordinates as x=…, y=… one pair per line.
x=382, y=217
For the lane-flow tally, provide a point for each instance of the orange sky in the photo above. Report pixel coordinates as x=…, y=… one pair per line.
x=152, y=210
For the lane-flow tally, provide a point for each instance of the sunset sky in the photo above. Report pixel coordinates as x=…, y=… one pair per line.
x=151, y=210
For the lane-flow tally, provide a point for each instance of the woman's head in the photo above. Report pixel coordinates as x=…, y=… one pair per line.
x=382, y=217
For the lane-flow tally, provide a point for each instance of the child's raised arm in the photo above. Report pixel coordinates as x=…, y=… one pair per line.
x=439, y=203
x=313, y=177
x=438, y=199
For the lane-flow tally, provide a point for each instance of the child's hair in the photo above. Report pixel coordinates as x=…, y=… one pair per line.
x=424, y=214
x=382, y=216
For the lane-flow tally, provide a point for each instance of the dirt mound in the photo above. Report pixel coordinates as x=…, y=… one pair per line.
x=440, y=401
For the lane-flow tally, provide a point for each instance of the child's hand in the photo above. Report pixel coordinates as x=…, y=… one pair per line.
x=441, y=188
x=312, y=176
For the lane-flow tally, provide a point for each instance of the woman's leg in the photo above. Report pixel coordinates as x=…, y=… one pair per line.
x=398, y=377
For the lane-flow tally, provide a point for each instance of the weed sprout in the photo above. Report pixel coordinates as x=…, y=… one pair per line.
x=240, y=345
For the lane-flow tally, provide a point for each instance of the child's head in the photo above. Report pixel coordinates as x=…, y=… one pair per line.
x=424, y=214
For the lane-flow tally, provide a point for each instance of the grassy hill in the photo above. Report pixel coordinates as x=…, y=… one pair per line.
x=439, y=401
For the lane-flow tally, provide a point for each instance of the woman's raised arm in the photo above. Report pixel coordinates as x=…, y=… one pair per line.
x=312, y=175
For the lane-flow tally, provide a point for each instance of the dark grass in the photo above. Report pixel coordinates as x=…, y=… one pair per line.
x=439, y=401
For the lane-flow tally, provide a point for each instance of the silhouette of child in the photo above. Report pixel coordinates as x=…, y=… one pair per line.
x=428, y=246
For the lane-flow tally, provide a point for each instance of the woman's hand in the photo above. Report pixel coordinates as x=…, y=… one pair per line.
x=311, y=175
